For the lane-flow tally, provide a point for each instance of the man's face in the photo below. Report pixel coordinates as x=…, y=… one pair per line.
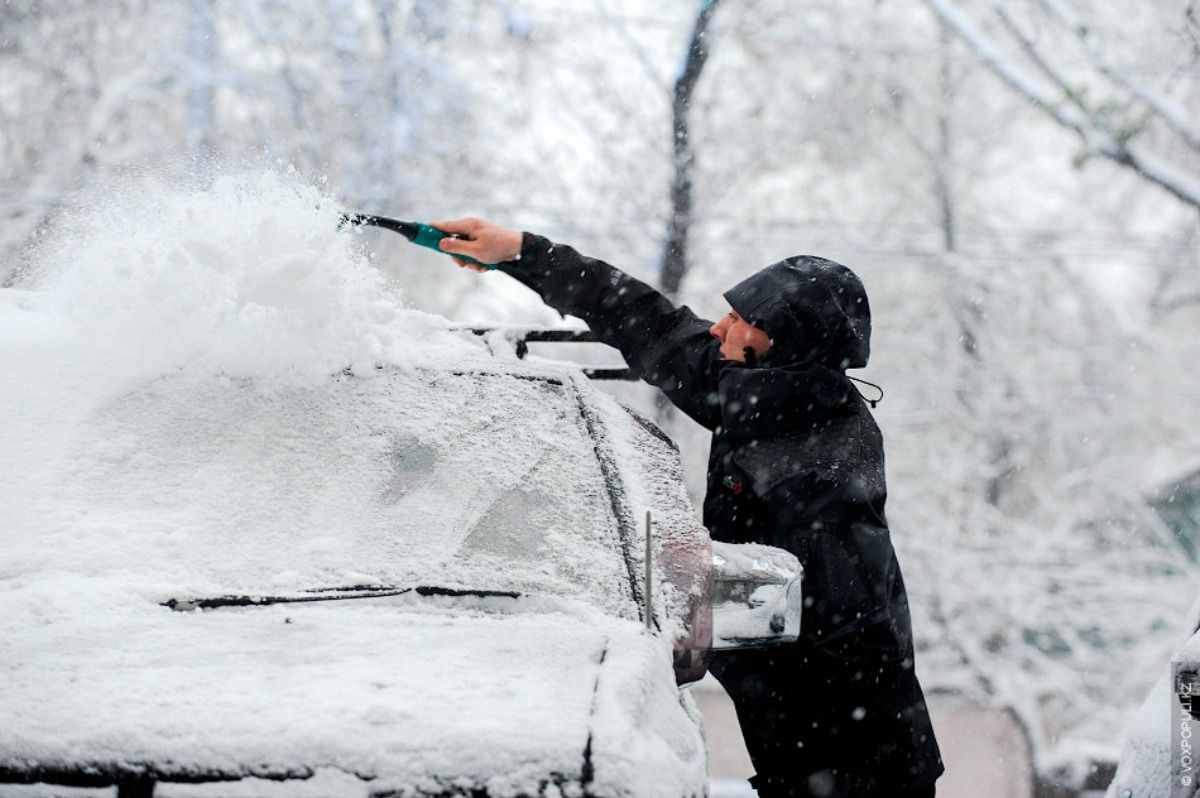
x=736, y=334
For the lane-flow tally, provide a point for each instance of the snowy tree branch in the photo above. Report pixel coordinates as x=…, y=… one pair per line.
x=1166, y=299
x=1095, y=132
x=643, y=58
x=1173, y=115
x=58, y=177
x=1073, y=95
x=1193, y=29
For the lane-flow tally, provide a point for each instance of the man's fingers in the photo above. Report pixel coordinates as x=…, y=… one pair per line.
x=478, y=239
x=475, y=267
x=456, y=245
x=463, y=227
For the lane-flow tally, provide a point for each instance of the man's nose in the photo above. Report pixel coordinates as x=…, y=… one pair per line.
x=717, y=331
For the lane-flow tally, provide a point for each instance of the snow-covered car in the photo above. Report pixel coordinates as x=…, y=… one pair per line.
x=1160, y=757
x=419, y=582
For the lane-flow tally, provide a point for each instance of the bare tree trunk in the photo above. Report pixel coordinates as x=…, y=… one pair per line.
x=202, y=46
x=385, y=159
x=945, y=148
x=346, y=40
x=674, y=262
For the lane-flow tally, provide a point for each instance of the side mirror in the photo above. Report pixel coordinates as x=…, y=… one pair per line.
x=756, y=598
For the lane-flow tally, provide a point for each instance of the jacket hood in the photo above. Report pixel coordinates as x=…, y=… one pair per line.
x=814, y=310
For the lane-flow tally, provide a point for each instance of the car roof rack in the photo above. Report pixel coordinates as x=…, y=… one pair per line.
x=521, y=337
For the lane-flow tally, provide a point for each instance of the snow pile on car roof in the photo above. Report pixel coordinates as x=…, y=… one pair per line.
x=249, y=276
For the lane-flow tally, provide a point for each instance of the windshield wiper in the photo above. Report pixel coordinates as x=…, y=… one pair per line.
x=331, y=594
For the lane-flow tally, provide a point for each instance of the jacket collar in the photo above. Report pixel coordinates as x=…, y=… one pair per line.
x=767, y=402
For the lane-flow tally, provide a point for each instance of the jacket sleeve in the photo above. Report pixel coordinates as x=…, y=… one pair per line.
x=665, y=345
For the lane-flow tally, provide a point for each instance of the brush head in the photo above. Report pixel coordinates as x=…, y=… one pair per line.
x=409, y=230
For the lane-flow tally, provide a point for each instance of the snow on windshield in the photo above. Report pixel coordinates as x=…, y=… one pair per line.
x=207, y=486
x=177, y=422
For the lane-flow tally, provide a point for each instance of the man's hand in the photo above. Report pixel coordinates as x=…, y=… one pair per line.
x=481, y=240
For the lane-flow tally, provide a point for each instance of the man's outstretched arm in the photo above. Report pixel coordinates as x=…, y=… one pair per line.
x=665, y=345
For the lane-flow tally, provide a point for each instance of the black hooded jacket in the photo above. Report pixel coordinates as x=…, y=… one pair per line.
x=796, y=462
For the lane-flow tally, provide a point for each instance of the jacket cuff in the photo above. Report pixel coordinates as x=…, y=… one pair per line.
x=533, y=260
x=533, y=250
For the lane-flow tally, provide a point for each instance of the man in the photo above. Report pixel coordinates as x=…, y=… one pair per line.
x=796, y=462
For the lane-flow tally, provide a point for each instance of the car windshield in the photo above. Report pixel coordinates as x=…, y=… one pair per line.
x=223, y=486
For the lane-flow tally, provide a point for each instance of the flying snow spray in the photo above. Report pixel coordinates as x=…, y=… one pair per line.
x=421, y=234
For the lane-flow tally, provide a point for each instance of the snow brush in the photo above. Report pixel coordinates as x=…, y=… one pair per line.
x=421, y=234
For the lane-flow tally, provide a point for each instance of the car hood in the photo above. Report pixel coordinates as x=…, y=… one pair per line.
x=421, y=700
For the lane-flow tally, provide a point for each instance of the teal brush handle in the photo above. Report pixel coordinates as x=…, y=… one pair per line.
x=429, y=236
